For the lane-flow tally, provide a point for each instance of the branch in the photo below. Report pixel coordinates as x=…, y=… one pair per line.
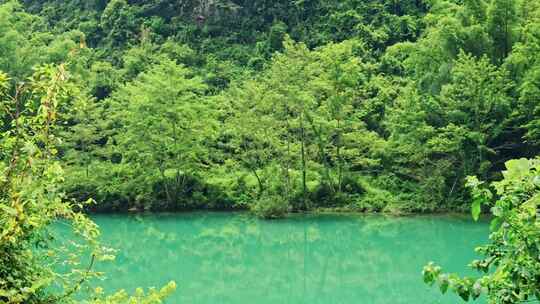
x=78, y=285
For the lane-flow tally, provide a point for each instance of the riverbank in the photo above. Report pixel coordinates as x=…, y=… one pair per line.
x=314, y=212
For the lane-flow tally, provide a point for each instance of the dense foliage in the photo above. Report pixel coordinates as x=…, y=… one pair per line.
x=510, y=262
x=280, y=106
x=34, y=266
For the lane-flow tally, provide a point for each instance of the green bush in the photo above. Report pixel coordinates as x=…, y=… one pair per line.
x=375, y=199
x=509, y=268
x=270, y=207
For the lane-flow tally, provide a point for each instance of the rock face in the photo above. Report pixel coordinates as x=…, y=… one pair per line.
x=214, y=9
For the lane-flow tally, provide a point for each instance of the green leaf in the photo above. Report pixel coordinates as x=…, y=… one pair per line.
x=464, y=294
x=472, y=182
x=497, y=211
x=495, y=224
x=536, y=181
x=531, y=205
x=444, y=283
x=516, y=168
x=8, y=209
x=476, y=290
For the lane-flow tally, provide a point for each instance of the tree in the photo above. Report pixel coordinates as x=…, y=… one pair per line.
x=338, y=86
x=254, y=135
x=31, y=199
x=22, y=47
x=477, y=98
x=118, y=22
x=501, y=22
x=161, y=123
x=277, y=101
x=529, y=106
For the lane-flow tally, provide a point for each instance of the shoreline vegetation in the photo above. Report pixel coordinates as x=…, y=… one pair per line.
x=278, y=106
x=486, y=216
x=315, y=211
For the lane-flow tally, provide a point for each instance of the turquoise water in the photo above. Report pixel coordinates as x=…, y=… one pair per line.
x=235, y=258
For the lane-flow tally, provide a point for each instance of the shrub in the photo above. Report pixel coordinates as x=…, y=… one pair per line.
x=270, y=207
x=510, y=266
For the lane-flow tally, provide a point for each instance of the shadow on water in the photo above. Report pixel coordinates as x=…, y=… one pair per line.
x=235, y=258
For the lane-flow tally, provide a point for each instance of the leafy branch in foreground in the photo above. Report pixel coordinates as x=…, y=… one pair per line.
x=511, y=263
x=31, y=199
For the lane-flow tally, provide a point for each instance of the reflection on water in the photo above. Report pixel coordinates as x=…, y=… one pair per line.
x=235, y=258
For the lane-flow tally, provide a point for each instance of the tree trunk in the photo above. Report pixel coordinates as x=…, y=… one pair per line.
x=165, y=185
x=304, y=187
x=322, y=154
x=340, y=160
x=261, y=187
x=287, y=164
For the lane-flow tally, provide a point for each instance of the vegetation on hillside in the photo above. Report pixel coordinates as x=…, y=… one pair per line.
x=278, y=106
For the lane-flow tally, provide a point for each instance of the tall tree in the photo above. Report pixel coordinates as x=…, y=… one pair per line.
x=501, y=22
x=163, y=123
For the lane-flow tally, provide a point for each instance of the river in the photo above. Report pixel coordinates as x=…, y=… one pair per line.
x=235, y=258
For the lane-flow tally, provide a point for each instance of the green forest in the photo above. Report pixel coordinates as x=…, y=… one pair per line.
x=273, y=107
